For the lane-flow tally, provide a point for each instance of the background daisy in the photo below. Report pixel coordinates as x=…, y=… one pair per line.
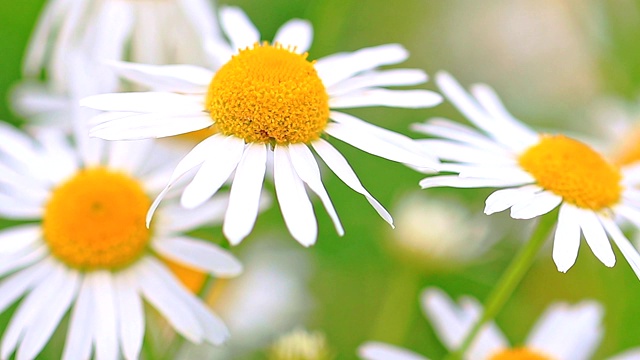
x=89, y=250
x=268, y=100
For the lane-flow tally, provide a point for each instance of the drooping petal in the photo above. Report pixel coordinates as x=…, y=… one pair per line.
x=628, y=251
x=130, y=310
x=503, y=199
x=596, y=237
x=106, y=323
x=566, y=241
x=199, y=254
x=540, y=204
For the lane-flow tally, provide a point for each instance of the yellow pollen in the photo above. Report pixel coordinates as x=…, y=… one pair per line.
x=519, y=354
x=96, y=220
x=628, y=151
x=268, y=94
x=191, y=278
x=573, y=171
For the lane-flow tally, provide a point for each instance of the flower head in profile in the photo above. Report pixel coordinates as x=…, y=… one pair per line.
x=268, y=100
x=563, y=332
x=538, y=173
x=87, y=249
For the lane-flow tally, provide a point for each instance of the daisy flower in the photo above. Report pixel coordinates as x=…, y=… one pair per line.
x=567, y=332
x=537, y=173
x=268, y=100
x=146, y=31
x=86, y=249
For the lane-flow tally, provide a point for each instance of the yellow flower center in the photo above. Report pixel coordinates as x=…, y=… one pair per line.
x=519, y=354
x=628, y=150
x=96, y=220
x=573, y=171
x=268, y=94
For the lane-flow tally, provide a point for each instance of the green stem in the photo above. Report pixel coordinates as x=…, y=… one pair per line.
x=508, y=282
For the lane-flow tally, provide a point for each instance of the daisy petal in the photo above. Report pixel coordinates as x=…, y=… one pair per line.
x=145, y=102
x=179, y=219
x=37, y=334
x=295, y=33
x=381, y=351
x=80, y=334
x=503, y=199
x=450, y=130
x=15, y=209
x=628, y=251
x=460, y=182
x=294, y=203
x=411, y=99
x=244, y=198
x=147, y=126
x=238, y=28
x=106, y=323
x=200, y=255
x=541, y=203
x=25, y=257
x=395, y=77
x=306, y=167
x=14, y=286
x=129, y=306
x=214, y=172
x=18, y=237
x=566, y=240
x=339, y=165
x=174, y=78
x=596, y=237
x=335, y=68
x=376, y=146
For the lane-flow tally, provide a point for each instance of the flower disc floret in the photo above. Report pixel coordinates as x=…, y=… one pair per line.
x=519, y=354
x=269, y=94
x=96, y=220
x=573, y=171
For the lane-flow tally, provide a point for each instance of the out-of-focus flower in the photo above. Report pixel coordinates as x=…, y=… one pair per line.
x=268, y=98
x=539, y=173
x=90, y=250
x=563, y=332
x=301, y=345
x=438, y=231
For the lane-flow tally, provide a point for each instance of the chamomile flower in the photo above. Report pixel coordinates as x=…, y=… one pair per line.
x=567, y=332
x=538, y=172
x=268, y=100
x=86, y=249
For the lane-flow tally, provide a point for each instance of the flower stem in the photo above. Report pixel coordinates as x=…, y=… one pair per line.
x=508, y=282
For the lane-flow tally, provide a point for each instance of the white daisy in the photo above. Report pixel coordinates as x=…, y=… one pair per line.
x=88, y=249
x=567, y=332
x=146, y=31
x=539, y=173
x=268, y=100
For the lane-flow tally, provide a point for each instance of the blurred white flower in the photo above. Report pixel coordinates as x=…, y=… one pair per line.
x=301, y=345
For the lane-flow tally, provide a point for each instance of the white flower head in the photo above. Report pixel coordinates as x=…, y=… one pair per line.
x=539, y=172
x=268, y=100
x=88, y=250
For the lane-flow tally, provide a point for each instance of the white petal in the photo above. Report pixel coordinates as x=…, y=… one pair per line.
x=306, y=167
x=501, y=200
x=129, y=156
x=38, y=43
x=335, y=68
x=377, y=146
x=199, y=254
x=450, y=130
x=294, y=203
x=628, y=251
x=566, y=240
x=460, y=182
x=239, y=29
x=162, y=298
x=131, y=313
x=15, y=209
x=18, y=237
x=412, y=99
x=381, y=351
x=145, y=102
x=339, y=165
x=222, y=161
x=395, y=77
x=568, y=332
x=106, y=323
x=540, y=204
x=194, y=158
x=25, y=257
x=14, y=286
x=80, y=334
x=596, y=237
x=172, y=78
x=296, y=33
x=154, y=125
x=244, y=198
x=37, y=334
x=177, y=219
x=455, y=151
